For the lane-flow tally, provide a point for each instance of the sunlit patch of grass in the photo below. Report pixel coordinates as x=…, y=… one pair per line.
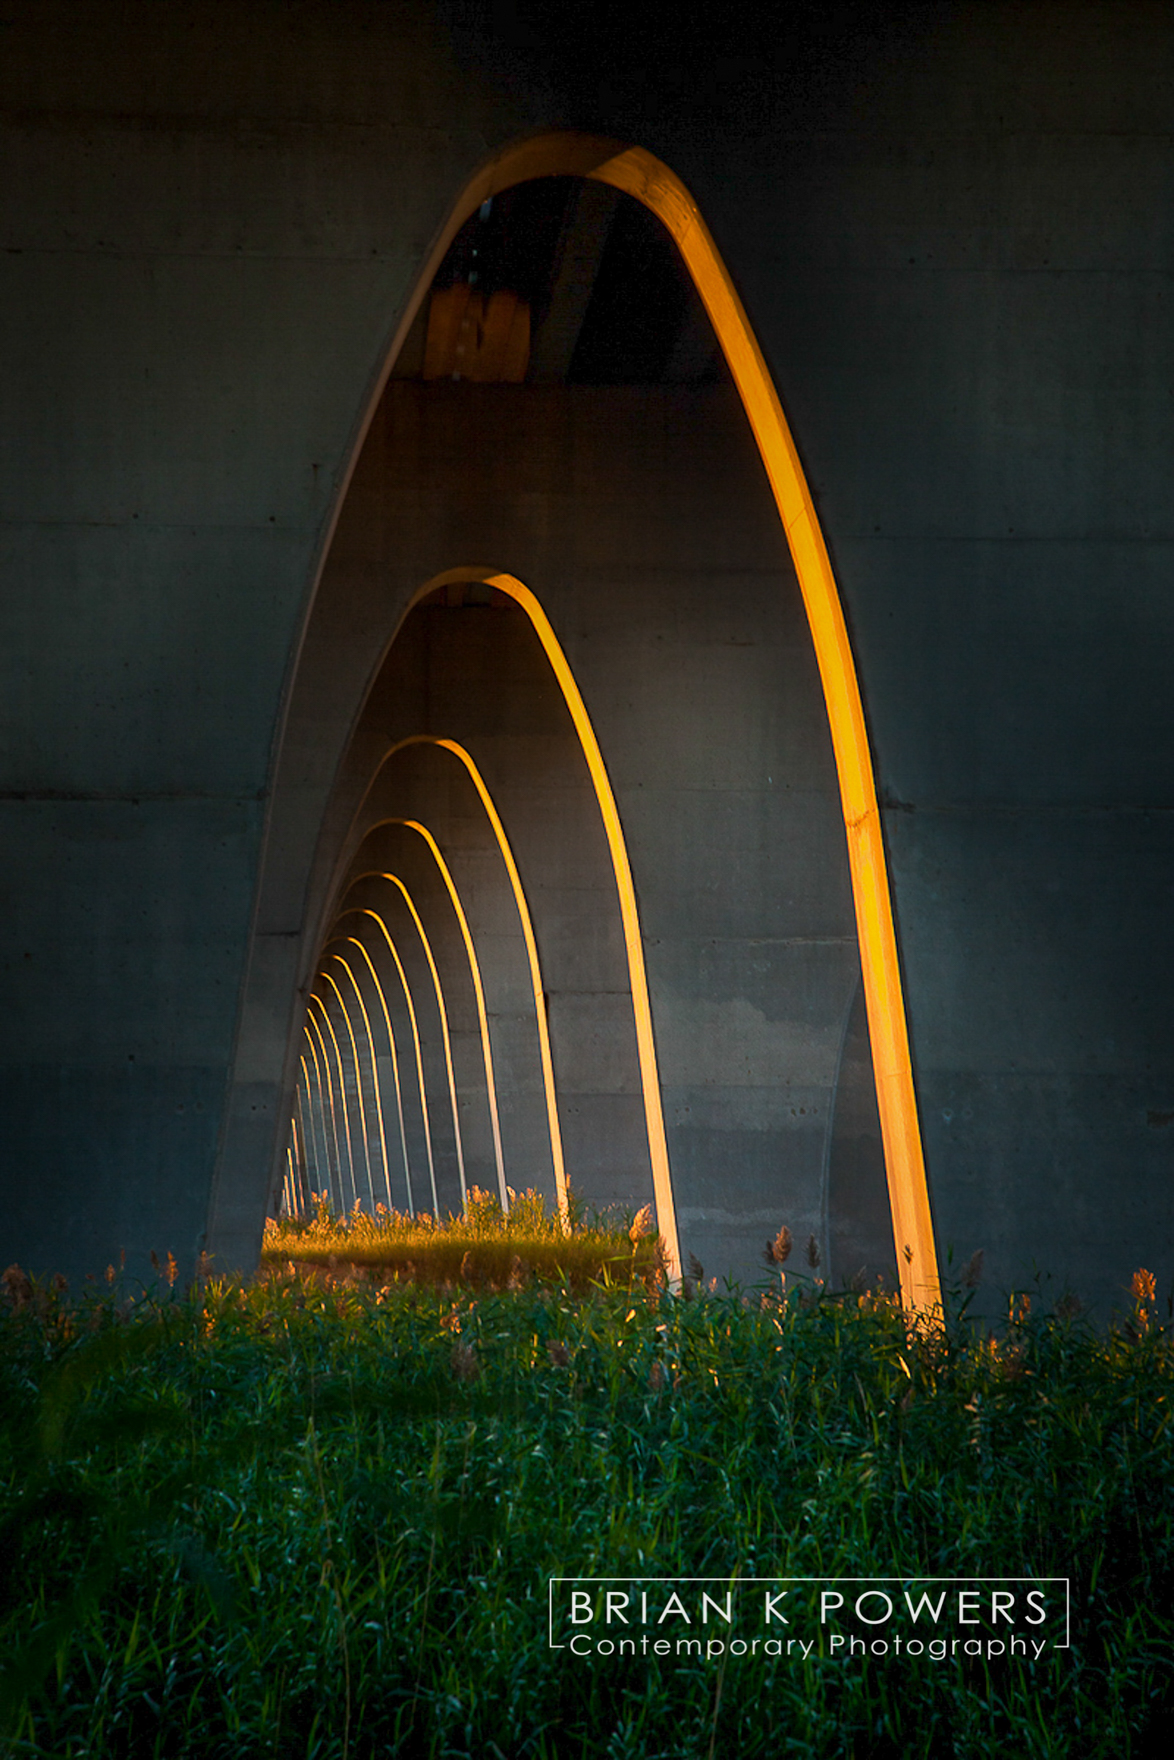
x=483, y=1247
x=296, y=1520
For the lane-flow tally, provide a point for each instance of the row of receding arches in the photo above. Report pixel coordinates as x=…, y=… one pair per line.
x=398, y=1069
x=363, y=1081
x=438, y=1051
x=431, y=978
x=364, y=1130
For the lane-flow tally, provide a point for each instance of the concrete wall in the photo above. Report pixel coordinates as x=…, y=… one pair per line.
x=641, y=519
x=951, y=229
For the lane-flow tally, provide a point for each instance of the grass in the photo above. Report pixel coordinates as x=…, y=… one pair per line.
x=482, y=1248
x=299, y=1520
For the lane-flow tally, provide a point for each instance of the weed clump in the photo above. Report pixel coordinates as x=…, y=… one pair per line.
x=486, y=1247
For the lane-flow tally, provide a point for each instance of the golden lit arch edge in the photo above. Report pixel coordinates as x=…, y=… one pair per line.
x=662, y=1187
x=637, y=173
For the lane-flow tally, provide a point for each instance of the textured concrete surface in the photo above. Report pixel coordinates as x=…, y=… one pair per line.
x=641, y=519
x=951, y=228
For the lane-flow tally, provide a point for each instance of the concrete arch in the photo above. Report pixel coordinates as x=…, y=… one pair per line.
x=323, y=1174
x=345, y=1077
x=346, y=1080
x=360, y=873
x=622, y=874
x=372, y=1084
x=561, y=670
x=417, y=1048
x=353, y=907
x=625, y=890
x=336, y=1103
x=402, y=790
x=478, y=921
x=442, y=1010
x=311, y=1161
x=357, y=1068
x=372, y=896
x=180, y=709
x=375, y=1070
x=638, y=174
x=393, y=1061
x=451, y=975
x=303, y=1152
x=372, y=1122
x=331, y=1163
x=443, y=1002
x=372, y=902
x=527, y=928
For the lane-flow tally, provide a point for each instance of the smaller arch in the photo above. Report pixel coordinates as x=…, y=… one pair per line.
x=521, y=903
x=358, y=1085
x=394, y=1059
x=375, y=1088
x=622, y=872
x=305, y=1108
x=337, y=1194
x=345, y=1109
x=323, y=1176
x=478, y=989
x=415, y=1026
x=301, y=1165
x=442, y=1009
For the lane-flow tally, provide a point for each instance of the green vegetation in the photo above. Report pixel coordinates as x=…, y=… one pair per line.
x=296, y=1520
x=481, y=1248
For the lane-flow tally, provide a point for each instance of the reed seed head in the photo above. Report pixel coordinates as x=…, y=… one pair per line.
x=779, y=1250
x=641, y=1224
x=1143, y=1286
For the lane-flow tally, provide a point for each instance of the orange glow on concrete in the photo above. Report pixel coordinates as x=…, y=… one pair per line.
x=374, y=1080
x=325, y=1108
x=346, y=1111
x=358, y=1086
x=666, y=1215
x=299, y=1120
x=321, y=1102
x=303, y=1104
x=470, y=337
x=415, y=1025
x=333, y=1105
x=442, y=1009
x=391, y=1047
x=640, y=175
x=523, y=909
x=478, y=992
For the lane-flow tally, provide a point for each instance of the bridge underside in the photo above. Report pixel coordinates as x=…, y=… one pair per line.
x=640, y=518
x=947, y=226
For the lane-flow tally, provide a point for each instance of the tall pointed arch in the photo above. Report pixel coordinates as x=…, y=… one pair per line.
x=522, y=596
x=639, y=174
